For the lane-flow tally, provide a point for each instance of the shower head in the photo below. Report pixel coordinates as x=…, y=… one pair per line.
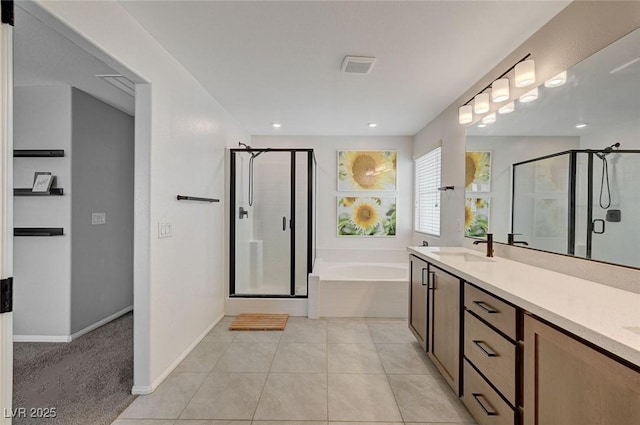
x=606, y=151
x=244, y=145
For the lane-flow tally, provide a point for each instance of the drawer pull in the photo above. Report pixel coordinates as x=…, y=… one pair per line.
x=423, y=280
x=489, y=411
x=486, y=307
x=484, y=347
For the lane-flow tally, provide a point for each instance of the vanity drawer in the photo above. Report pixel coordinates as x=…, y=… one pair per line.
x=485, y=405
x=494, y=311
x=492, y=354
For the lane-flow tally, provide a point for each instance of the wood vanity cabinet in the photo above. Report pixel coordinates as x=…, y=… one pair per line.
x=418, y=300
x=444, y=324
x=567, y=382
x=491, y=358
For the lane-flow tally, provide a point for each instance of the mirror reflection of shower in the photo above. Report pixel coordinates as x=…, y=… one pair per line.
x=605, y=175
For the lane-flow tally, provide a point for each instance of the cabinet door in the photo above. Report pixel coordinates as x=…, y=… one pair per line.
x=569, y=383
x=418, y=300
x=445, y=325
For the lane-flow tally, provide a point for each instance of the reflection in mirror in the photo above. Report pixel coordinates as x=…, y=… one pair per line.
x=555, y=174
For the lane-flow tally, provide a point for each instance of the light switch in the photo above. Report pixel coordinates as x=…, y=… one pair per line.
x=98, y=218
x=165, y=230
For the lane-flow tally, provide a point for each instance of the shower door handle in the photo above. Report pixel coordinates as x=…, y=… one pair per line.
x=593, y=226
x=284, y=223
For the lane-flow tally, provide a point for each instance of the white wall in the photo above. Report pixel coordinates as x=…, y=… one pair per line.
x=42, y=265
x=325, y=149
x=505, y=151
x=188, y=133
x=102, y=173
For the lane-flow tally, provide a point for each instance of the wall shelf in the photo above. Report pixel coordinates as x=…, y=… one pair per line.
x=38, y=231
x=38, y=153
x=54, y=191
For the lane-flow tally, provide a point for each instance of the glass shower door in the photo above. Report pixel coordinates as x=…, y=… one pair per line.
x=615, y=223
x=262, y=210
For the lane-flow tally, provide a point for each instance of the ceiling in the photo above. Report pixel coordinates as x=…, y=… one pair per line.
x=592, y=94
x=43, y=57
x=272, y=61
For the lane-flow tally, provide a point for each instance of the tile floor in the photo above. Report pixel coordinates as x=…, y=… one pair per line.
x=315, y=372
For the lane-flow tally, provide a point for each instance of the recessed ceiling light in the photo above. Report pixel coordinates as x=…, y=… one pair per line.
x=372, y=125
x=276, y=125
x=582, y=125
x=482, y=125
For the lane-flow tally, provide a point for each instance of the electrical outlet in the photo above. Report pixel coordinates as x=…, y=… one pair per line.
x=165, y=230
x=98, y=218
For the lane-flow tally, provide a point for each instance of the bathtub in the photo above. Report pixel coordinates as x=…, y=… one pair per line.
x=340, y=289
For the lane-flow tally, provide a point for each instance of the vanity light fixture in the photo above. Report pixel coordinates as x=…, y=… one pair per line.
x=372, y=125
x=276, y=125
x=582, y=125
x=500, y=90
x=465, y=114
x=489, y=119
x=556, y=81
x=481, y=103
x=499, y=93
x=508, y=108
x=529, y=96
x=525, y=73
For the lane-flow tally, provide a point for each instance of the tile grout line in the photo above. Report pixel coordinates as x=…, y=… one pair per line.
x=208, y=374
x=266, y=377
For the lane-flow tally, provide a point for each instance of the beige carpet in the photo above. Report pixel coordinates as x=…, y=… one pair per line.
x=88, y=380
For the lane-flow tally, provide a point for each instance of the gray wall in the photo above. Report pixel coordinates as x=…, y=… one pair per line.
x=102, y=173
x=42, y=117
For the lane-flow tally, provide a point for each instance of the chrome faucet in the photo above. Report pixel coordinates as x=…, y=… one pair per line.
x=511, y=239
x=489, y=243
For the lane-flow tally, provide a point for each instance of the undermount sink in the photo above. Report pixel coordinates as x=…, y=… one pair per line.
x=466, y=257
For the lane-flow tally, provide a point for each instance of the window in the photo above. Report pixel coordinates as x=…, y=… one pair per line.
x=427, y=195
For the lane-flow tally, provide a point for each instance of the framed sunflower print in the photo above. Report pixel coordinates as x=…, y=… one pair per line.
x=367, y=216
x=476, y=217
x=478, y=171
x=367, y=170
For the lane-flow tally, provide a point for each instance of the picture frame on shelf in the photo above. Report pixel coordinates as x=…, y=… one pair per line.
x=42, y=181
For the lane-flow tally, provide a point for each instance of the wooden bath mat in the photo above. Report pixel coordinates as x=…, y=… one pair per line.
x=259, y=322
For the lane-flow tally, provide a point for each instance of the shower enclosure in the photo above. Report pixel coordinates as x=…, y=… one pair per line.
x=272, y=222
x=580, y=202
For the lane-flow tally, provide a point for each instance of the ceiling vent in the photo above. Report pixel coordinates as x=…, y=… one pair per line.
x=357, y=64
x=121, y=82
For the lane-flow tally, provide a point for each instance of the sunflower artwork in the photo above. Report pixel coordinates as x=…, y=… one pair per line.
x=478, y=171
x=476, y=217
x=375, y=216
x=367, y=170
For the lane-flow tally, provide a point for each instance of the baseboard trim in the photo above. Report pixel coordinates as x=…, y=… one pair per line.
x=140, y=390
x=101, y=322
x=41, y=338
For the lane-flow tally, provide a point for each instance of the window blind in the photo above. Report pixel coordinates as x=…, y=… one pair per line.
x=427, y=195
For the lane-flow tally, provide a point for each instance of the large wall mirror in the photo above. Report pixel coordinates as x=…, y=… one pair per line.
x=563, y=171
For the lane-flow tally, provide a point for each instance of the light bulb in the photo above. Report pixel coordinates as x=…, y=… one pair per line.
x=525, y=73
x=500, y=90
x=508, y=108
x=465, y=115
x=481, y=103
x=557, y=81
x=489, y=119
x=529, y=96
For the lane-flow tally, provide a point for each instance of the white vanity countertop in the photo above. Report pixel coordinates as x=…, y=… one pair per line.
x=606, y=316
